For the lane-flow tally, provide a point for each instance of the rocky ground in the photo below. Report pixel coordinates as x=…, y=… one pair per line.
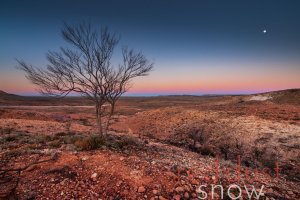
x=54, y=153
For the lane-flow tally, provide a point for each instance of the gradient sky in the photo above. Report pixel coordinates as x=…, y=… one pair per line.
x=198, y=47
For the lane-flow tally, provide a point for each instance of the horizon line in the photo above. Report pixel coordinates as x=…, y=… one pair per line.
x=162, y=94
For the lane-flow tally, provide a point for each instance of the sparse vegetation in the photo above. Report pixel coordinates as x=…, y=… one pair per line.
x=126, y=142
x=170, y=144
x=90, y=142
x=85, y=68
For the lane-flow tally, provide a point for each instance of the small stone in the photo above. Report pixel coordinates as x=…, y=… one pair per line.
x=269, y=190
x=216, y=196
x=171, y=174
x=119, y=183
x=63, y=182
x=94, y=176
x=232, y=196
x=179, y=189
x=177, y=197
x=186, y=195
x=290, y=192
x=84, y=158
x=70, y=147
x=162, y=198
x=31, y=168
x=187, y=188
x=195, y=182
x=126, y=192
x=141, y=189
x=155, y=192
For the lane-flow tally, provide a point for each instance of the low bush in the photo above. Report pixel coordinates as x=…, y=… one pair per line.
x=6, y=130
x=207, y=151
x=125, y=142
x=225, y=149
x=14, y=153
x=71, y=139
x=33, y=146
x=90, y=143
x=55, y=143
x=42, y=139
x=10, y=138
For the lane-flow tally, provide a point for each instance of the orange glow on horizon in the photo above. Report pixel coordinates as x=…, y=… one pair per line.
x=169, y=87
x=180, y=81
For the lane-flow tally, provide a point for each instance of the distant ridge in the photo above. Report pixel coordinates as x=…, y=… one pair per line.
x=2, y=94
x=8, y=99
x=288, y=96
x=286, y=91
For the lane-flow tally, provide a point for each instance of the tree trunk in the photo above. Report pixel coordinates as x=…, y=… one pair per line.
x=112, y=110
x=98, y=118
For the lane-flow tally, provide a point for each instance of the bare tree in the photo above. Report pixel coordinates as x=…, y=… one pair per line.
x=86, y=68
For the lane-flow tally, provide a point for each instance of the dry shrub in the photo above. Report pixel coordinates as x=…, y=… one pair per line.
x=269, y=161
x=71, y=139
x=33, y=146
x=10, y=138
x=61, y=134
x=265, y=157
x=195, y=135
x=7, y=131
x=55, y=143
x=207, y=150
x=90, y=143
x=210, y=137
x=96, y=142
x=14, y=153
x=125, y=142
x=225, y=149
x=257, y=153
x=65, y=171
x=198, y=134
x=42, y=139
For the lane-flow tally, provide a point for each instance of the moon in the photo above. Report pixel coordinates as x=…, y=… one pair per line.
x=264, y=31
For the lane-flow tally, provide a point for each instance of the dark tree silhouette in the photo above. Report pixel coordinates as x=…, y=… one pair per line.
x=86, y=68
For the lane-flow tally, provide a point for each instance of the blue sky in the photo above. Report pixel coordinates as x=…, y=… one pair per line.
x=198, y=47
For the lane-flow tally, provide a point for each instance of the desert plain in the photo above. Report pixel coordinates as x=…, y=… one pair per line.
x=162, y=147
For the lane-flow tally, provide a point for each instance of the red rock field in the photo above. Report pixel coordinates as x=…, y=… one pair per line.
x=172, y=147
